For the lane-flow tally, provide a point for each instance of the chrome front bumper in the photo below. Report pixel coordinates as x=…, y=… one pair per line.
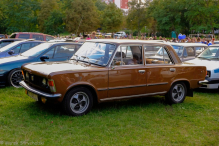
x=203, y=82
x=40, y=93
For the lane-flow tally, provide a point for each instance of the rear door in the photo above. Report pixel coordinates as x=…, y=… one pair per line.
x=160, y=70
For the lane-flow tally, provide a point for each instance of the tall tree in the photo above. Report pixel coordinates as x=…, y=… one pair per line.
x=112, y=18
x=47, y=6
x=137, y=15
x=21, y=15
x=81, y=16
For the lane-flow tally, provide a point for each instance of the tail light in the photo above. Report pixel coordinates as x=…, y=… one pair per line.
x=51, y=85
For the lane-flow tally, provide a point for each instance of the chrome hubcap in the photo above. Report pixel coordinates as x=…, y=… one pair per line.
x=79, y=102
x=16, y=77
x=178, y=92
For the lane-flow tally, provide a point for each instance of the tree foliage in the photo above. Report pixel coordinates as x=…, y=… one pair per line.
x=112, y=18
x=81, y=16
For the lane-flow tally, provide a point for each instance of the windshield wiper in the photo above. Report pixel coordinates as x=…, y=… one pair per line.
x=76, y=57
x=87, y=58
x=204, y=58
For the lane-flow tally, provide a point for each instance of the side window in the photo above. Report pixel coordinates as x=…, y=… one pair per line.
x=17, y=49
x=128, y=55
x=38, y=37
x=160, y=56
x=24, y=36
x=190, y=51
x=48, y=38
x=50, y=53
x=34, y=44
x=64, y=51
x=25, y=47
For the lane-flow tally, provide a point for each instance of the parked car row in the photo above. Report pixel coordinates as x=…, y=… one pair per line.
x=106, y=70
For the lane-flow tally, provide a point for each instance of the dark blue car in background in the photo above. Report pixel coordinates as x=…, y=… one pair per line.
x=18, y=47
x=10, y=72
x=5, y=42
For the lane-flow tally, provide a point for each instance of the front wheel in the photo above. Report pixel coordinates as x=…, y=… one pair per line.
x=177, y=93
x=78, y=101
x=14, y=77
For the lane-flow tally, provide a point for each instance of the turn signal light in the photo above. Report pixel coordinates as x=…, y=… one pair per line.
x=51, y=85
x=23, y=74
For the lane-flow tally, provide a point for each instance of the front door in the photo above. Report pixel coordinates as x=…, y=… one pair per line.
x=127, y=74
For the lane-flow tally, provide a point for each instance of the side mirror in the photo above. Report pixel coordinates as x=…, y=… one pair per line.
x=11, y=52
x=42, y=58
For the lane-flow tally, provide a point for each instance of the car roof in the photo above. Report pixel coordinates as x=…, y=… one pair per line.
x=70, y=43
x=11, y=39
x=125, y=41
x=188, y=44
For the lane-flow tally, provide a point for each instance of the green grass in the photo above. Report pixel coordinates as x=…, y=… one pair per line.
x=144, y=121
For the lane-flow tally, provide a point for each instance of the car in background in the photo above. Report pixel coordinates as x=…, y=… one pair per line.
x=18, y=47
x=119, y=34
x=110, y=69
x=216, y=42
x=32, y=35
x=98, y=34
x=108, y=35
x=210, y=59
x=5, y=42
x=188, y=51
x=2, y=36
x=10, y=72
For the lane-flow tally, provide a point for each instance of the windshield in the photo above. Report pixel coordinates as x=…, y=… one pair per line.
x=210, y=53
x=8, y=47
x=36, y=51
x=178, y=49
x=95, y=53
x=2, y=44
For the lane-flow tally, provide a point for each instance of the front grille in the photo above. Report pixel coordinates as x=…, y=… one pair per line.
x=209, y=73
x=36, y=81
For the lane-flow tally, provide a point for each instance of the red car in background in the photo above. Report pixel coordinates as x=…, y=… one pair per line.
x=32, y=35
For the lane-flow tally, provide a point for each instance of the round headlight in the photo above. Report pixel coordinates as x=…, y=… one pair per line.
x=27, y=75
x=44, y=81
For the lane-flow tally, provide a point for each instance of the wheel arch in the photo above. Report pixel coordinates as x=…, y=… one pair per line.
x=88, y=86
x=187, y=84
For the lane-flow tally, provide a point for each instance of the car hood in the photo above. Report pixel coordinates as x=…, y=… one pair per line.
x=210, y=64
x=10, y=59
x=50, y=68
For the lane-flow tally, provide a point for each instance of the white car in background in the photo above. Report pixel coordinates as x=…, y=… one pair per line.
x=210, y=59
x=119, y=34
x=216, y=42
x=188, y=51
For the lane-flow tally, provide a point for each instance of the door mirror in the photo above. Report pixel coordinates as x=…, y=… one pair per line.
x=11, y=52
x=42, y=58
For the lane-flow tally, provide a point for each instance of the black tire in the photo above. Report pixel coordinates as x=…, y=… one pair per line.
x=177, y=93
x=14, y=77
x=78, y=102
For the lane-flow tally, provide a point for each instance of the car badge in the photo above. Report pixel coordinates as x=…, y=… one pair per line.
x=32, y=78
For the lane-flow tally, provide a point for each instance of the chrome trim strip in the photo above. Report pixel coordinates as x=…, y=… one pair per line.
x=24, y=85
x=122, y=97
x=123, y=87
x=164, y=83
x=102, y=89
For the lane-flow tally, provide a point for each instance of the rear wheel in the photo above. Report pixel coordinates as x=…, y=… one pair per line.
x=177, y=93
x=78, y=101
x=14, y=77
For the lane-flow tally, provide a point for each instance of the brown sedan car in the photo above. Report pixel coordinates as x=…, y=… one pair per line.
x=106, y=70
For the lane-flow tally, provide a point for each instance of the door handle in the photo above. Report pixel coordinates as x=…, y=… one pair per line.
x=141, y=71
x=172, y=69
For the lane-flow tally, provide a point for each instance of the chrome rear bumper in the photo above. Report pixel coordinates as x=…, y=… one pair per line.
x=40, y=93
